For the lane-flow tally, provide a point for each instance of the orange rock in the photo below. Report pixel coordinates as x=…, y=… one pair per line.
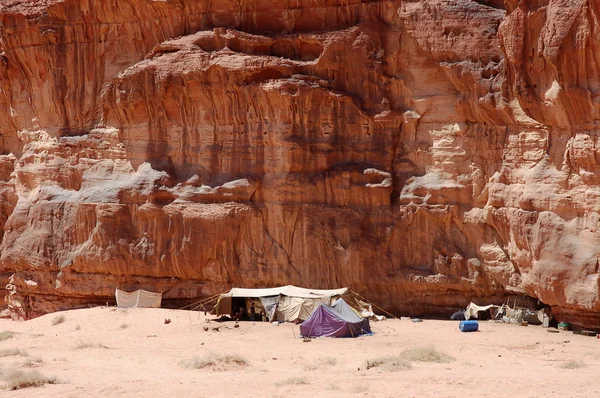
x=424, y=153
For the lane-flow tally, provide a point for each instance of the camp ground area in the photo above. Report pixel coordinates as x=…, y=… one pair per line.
x=283, y=304
x=134, y=352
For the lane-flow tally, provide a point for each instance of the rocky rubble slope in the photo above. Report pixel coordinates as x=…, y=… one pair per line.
x=424, y=153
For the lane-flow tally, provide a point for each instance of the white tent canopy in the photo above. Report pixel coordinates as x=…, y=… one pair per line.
x=138, y=299
x=289, y=290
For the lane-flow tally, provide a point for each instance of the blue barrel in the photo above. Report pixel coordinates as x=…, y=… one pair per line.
x=468, y=326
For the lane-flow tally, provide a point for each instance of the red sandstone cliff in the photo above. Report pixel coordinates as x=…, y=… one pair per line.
x=425, y=153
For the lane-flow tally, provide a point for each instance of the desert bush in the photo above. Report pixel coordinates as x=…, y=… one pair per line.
x=214, y=362
x=58, y=320
x=573, y=365
x=388, y=363
x=292, y=381
x=11, y=352
x=5, y=335
x=88, y=344
x=124, y=326
x=321, y=363
x=33, y=362
x=426, y=354
x=77, y=327
x=360, y=388
x=18, y=379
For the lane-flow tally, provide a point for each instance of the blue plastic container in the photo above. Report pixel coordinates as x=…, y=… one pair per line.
x=468, y=326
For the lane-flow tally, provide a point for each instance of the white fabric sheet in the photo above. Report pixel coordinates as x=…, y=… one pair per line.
x=289, y=290
x=138, y=299
x=473, y=310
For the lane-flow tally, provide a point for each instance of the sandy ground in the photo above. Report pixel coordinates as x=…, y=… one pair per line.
x=114, y=352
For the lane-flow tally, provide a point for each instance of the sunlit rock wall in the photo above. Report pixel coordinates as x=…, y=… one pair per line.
x=423, y=153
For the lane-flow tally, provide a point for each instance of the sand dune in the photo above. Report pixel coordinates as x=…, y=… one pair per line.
x=115, y=352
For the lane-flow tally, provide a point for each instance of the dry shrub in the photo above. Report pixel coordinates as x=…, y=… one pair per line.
x=5, y=335
x=426, y=354
x=292, y=381
x=33, y=362
x=388, y=363
x=88, y=344
x=329, y=361
x=573, y=365
x=214, y=362
x=124, y=326
x=18, y=379
x=358, y=389
x=58, y=320
x=77, y=327
x=321, y=363
x=11, y=352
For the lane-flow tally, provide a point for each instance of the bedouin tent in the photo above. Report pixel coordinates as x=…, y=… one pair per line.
x=339, y=320
x=286, y=303
x=138, y=299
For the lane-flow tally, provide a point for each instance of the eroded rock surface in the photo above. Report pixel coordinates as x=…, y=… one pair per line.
x=424, y=153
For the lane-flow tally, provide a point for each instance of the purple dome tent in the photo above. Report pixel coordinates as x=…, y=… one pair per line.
x=337, y=321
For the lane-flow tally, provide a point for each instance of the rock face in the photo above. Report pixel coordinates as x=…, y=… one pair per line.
x=424, y=153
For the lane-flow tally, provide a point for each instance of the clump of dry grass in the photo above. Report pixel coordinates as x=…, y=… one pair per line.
x=214, y=362
x=360, y=388
x=573, y=365
x=18, y=379
x=88, y=344
x=12, y=352
x=58, y=320
x=33, y=362
x=77, y=327
x=388, y=363
x=321, y=363
x=124, y=326
x=426, y=354
x=6, y=334
x=292, y=381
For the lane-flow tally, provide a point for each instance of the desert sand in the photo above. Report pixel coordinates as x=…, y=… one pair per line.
x=110, y=352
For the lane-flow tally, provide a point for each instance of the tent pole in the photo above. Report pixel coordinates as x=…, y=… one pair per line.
x=208, y=300
x=376, y=306
x=202, y=303
x=211, y=298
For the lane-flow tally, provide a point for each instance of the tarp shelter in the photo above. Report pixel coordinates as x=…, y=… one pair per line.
x=286, y=303
x=339, y=320
x=474, y=311
x=510, y=315
x=533, y=317
x=138, y=299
